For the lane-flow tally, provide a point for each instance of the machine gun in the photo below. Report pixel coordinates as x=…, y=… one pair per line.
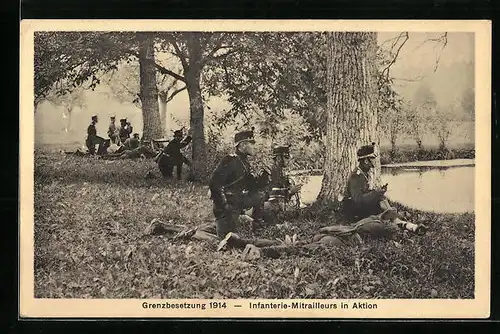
x=282, y=189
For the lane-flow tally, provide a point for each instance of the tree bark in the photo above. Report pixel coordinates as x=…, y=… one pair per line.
x=351, y=108
x=193, y=75
x=148, y=89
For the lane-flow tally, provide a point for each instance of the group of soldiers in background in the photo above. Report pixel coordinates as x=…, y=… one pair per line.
x=118, y=137
x=121, y=145
x=235, y=187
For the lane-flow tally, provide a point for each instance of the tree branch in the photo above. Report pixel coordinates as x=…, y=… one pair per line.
x=444, y=38
x=174, y=93
x=386, y=70
x=166, y=71
x=225, y=55
x=179, y=53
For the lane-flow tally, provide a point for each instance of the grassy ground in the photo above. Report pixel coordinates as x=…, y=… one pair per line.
x=90, y=242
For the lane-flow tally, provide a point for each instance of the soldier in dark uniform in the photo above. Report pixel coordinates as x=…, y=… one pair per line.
x=125, y=130
x=234, y=187
x=172, y=157
x=93, y=139
x=360, y=201
x=281, y=184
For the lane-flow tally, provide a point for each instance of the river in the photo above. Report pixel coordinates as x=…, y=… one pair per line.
x=439, y=186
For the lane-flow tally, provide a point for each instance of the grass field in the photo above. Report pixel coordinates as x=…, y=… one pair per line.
x=90, y=242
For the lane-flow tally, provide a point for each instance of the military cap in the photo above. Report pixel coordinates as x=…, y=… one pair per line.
x=136, y=135
x=94, y=117
x=281, y=150
x=113, y=117
x=243, y=136
x=367, y=151
x=123, y=120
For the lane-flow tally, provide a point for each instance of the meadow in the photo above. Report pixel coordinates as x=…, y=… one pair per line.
x=91, y=241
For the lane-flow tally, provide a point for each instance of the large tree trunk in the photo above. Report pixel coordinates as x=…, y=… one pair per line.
x=351, y=107
x=148, y=90
x=193, y=76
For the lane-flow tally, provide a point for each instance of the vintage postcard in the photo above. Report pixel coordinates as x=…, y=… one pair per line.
x=255, y=169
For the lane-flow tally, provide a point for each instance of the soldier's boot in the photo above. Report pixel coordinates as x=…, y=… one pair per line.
x=419, y=229
x=391, y=215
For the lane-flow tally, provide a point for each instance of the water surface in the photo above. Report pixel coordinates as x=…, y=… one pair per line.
x=445, y=190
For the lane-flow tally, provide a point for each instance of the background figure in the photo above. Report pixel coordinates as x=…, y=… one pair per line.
x=113, y=132
x=278, y=178
x=125, y=130
x=281, y=186
x=172, y=157
x=93, y=139
x=133, y=142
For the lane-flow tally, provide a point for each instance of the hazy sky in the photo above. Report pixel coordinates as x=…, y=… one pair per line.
x=415, y=59
x=417, y=56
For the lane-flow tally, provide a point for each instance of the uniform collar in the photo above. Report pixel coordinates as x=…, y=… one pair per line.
x=241, y=154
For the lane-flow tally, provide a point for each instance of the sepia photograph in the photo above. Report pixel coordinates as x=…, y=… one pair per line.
x=224, y=169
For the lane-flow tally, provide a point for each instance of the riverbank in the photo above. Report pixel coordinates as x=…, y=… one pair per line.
x=90, y=242
x=408, y=153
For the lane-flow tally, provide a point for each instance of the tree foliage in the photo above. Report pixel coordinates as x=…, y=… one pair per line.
x=283, y=71
x=67, y=60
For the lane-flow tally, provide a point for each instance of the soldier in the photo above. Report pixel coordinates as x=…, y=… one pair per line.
x=172, y=157
x=360, y=201
x=278, y=179
x=234, y=187
x=281, y=184
x=113, y=132
x=93, y=139
x=125, y=130
x=133, y=142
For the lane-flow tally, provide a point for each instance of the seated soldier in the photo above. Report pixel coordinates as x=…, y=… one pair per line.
x=132, y=143
x=360, y=201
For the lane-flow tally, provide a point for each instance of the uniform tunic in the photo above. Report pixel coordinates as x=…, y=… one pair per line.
x=172, y=157
x=125, y=132
x=113, y=132
x=360, y=200
x=234, y=183
x=173, y=150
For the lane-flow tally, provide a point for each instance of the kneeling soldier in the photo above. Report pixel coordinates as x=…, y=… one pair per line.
x=234, y=187
x=360, y=201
